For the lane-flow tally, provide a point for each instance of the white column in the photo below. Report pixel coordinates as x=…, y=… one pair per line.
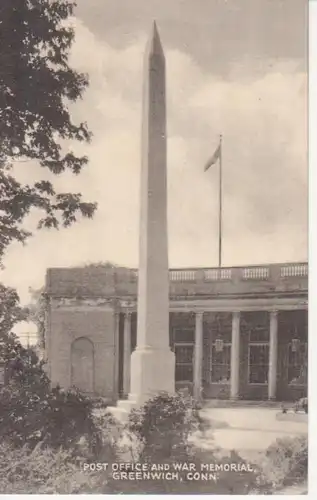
x=235, y=356
x=116, y=354
x=126, y=352
x=273, y=356
x=198, y=354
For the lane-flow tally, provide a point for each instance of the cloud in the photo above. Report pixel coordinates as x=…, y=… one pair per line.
x=263, y=122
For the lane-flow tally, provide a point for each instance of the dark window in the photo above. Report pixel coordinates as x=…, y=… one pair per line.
x=184, y=354
x=297, y=363
x=222, y=327
x=256, y=325
x=259, y=334
x=184, y=373
x=258, y=363
x=184, y=335
x=184, y=363
x=220, y=363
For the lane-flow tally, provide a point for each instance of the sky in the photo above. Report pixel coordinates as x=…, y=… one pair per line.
x=236, y=68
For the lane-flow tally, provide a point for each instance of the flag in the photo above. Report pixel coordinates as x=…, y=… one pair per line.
x=216, y=156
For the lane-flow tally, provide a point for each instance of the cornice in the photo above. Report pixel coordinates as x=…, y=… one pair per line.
x=90, y=302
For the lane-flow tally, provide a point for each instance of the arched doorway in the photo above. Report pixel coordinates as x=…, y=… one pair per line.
x=82, y=365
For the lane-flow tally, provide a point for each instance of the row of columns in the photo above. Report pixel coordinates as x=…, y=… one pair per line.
x=235, y=355
x=198, y=355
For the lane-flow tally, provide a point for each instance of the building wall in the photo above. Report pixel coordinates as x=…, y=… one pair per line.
x=100, y=327
x=104, y=328
x=92, y=303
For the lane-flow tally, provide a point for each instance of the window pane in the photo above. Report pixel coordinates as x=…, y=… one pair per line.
x=184, y=335
x=220, y=374
x=297, y=364
x=184, y=373
x=220, y=365
x=221, y=357
x=258, y=374
x=184, y=354
x=258, y=363
x=222, y=327
x=218, y=326
x=259, y=334
x=256, y=325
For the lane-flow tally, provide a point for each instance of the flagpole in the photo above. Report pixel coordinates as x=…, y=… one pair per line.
x=220, y=206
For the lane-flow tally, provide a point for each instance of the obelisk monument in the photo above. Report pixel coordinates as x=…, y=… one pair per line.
x=152, y=362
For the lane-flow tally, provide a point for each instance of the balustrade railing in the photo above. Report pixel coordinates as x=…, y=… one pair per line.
x=255, y=273
x=294, y=270
x=250, y=273
x=63, y=283
x=182, y=275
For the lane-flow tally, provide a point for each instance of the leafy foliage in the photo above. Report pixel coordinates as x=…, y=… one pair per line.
x=32, y=412
x=10, y=310
x=37, y=313
x=23, y=367
x=107, y=265
x=163, y=425
x=42, y=471
x=36, y=87
x=286, y=461
x=55, y=418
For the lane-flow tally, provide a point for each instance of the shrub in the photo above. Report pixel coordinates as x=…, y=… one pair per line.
x=109, y=432
x=42, y=470
x=226, y=482
x=302, y=404
x=163, y=425
x=57, y=418
x=99, y=403
x=286, y=461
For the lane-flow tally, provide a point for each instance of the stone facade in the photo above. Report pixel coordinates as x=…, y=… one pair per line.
x=236, y=332
x=81, y=345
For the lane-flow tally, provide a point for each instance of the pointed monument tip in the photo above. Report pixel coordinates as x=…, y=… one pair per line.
x=155, y=30
x=155, y=44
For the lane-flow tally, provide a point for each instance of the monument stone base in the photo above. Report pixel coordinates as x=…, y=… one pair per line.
x=152, y=372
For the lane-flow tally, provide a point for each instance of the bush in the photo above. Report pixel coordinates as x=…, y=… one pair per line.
x=57, y=418
x=286, y=462
x=302, y=404
x=226, y=482
x=163, y=425
x=25, y=471
x=109, y=432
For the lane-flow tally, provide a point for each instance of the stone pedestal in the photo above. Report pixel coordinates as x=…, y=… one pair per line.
x=152, y=372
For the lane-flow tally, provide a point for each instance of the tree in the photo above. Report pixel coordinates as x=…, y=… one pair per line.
x=30, y=411
x=36, y=311
x=21, y=362
x=37, y=85
x=10, y=310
